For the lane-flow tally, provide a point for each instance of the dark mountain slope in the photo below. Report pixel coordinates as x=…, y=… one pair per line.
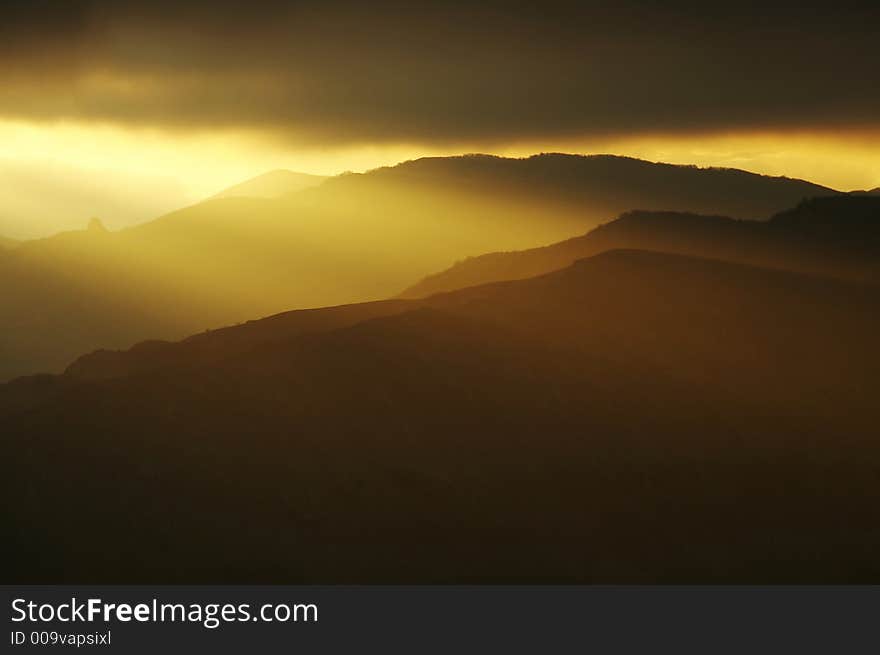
x=837, y=236
x=636, y=417
x=219, y=344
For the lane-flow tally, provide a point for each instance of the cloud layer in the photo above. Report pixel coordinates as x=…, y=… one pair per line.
x=335, y=73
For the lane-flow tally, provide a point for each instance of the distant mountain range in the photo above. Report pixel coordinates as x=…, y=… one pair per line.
x=838, y=236
x=634, y=417
x=352, y=238
x=606, y=185
x=6, y=243
x=272, y=185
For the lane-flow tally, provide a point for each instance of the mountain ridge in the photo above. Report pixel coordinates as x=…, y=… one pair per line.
x=210, y=346
x=832, y=236
x=557, y=170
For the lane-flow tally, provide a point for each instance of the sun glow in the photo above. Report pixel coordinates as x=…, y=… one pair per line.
x=59, y=174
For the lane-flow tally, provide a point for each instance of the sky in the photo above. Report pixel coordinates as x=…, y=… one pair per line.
x=128, y=109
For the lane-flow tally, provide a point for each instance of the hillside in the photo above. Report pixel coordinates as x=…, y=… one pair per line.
x=272, y=185
x=353, y=238
x=837, y=236
x=569, y=428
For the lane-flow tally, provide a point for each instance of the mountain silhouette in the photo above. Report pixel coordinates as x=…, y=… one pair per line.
x=353, y=238
x=838, y=236
x=7, y=244
x=213, y=345
x=272, y=184
x=603, y=185
x=635, y=417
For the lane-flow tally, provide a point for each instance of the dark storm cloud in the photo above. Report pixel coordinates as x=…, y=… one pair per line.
x=442, y=72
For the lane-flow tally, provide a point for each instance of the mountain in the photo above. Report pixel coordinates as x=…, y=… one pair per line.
x=635, y=417
x=603, y=185
x=838, y=236
x=272, y=185
x=353, y=238
x=212, y=345
x=7, y=244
